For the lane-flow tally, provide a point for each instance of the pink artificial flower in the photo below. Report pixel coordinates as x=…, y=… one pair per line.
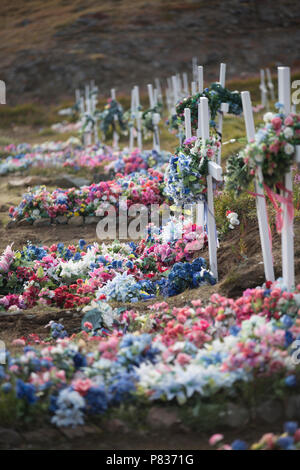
x=276, y=122
x=183, y=359
x=289, y=121
x=215, y=439
x=82, y=386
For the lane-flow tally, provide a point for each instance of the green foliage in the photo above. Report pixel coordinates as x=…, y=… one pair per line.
x=244, y=206
x=237, y=174
x=26, y=114
x=216, y=95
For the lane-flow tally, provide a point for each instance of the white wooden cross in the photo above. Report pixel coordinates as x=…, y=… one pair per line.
x=200, y=78
x=158, y=87
x=115, y=133
x=194, y=88
x=200, y=90
x=185, y=84
x=200, y=216
x=194, y=68
x=138, y=118
x=224, y=108
x=155, y=119
x=133, y=112
x=175, y=92
x=2, y=92
x=87, y=136
x=169, y=100
x=270, y=84
x=287, y=234
x=263, y=89
x=261, y=207
x=77, y=96
x=179, y=85
x=214, y=173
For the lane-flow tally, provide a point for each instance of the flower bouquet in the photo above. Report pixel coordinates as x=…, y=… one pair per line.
x=188, y=168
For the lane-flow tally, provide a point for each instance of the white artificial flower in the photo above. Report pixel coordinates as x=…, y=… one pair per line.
x=233, y=219
x=288, y=132
x=69, y=409
x=268, y=117
x=289, y=149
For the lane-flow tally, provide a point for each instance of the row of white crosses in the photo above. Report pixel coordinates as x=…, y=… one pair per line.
x=214, y=173
x=266, y=84
x=287, y=235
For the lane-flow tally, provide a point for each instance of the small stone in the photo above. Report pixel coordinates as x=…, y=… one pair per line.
x=237, y=416
x=42, y=436
x=28, y=181
x=270, y=411
x=61, y=220
x=90, y=219
x=24, y=223
x=292, y=410
x=11, y=224
x=9, y=437
x=161, y=417
x=11, y=313
x=68, y=181
x=77, y=221
x=116, y=425
x=79, y=431
x=42, y=222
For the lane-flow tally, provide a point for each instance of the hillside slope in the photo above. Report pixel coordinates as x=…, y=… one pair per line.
x=48, y=48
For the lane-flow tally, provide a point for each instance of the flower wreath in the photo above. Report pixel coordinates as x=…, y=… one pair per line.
x=216, y=95
x=269, y=157
x=188, y=168
x=107, y=117
x=271, y=153
x=147, y=117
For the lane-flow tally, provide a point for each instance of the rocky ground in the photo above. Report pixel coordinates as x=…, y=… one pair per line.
x=50, y=48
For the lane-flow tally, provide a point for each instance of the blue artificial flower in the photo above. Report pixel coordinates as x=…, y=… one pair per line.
x=6, y=387
x=25, y=390
x=96, y=400
x=287, y=321
x=81, y=243
x=288, y=338
x=122, y=386
x=2, y=373
x=239, y=445
x=79, y=360
x=291, y=380
x=286, y=443
x=234, y=330
x=290, y=427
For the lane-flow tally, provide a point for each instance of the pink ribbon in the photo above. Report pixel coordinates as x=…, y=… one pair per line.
x=287, y=200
